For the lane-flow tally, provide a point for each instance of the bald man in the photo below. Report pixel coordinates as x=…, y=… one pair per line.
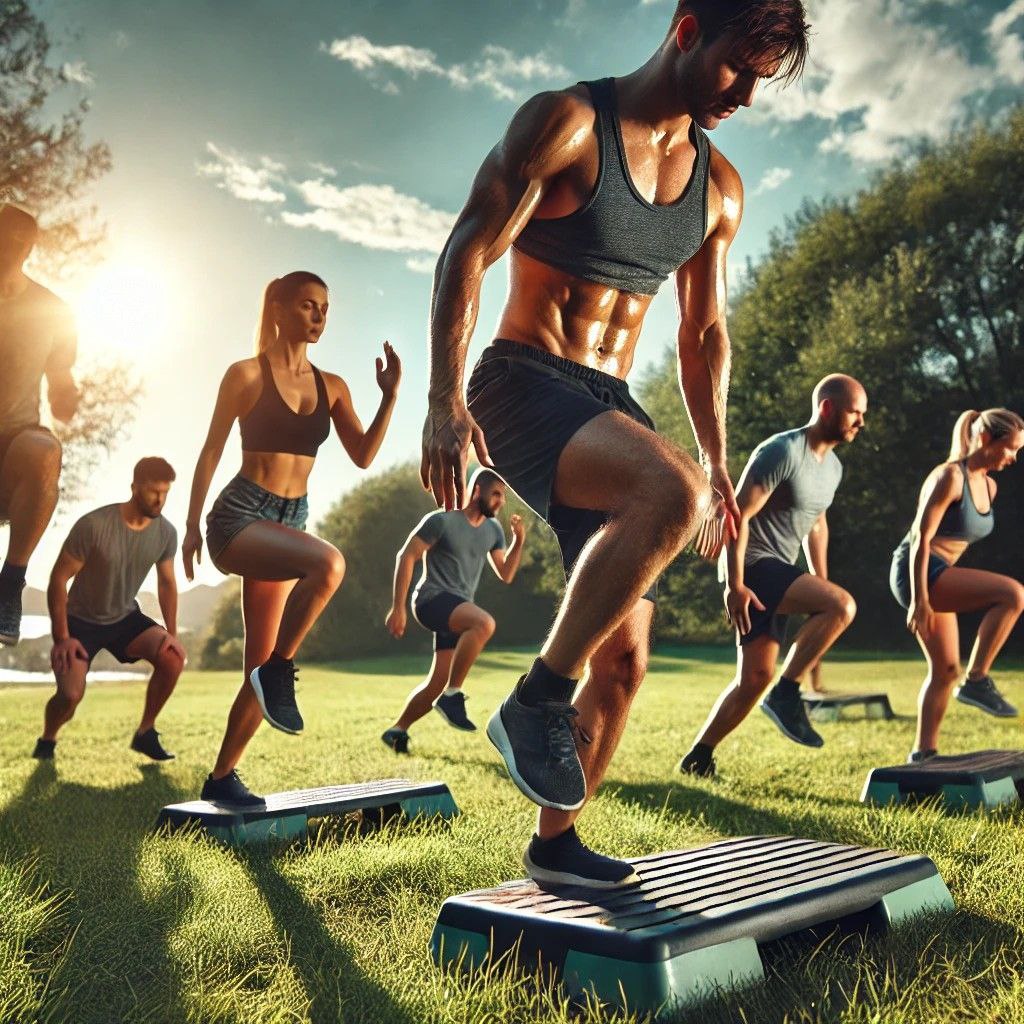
x=786, y=488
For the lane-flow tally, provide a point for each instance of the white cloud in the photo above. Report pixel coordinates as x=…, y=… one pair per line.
x=324, y=170
x=879, y=77
x=496, y=69
x=375, y=216
x=772, y=179
x=421, y=264
x=76, y=71
x=1007, y=46
x=255, y=182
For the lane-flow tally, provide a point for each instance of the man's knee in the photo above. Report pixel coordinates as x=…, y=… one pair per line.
x=68, y=697
x=945, y=672
x=623, y=670
x=39, y=451
x=168, y=661
x=754, y=679
x=842, y=607
x=486, y=626
x=677, y=491
x=1015, y=598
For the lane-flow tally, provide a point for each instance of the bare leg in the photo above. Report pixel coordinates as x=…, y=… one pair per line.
x=28, y=490
x=167, y=666
x=817, y=686
x=942, y=652
x=263, y=603
x=655, y=496
x=475, y=627
x=830, y=609
x=60, y=708
x=421, y=700
x=603, y=701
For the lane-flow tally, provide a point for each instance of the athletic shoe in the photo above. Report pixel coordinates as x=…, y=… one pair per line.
x=982, y=694
x=397, y=740
x=44, y=749
x=564, y=860
x=274, y=684
x=699, y=764
x=229, y=790
x=148, y=743
x=790, y=715
x=452, y=708
x=918, y=756
x=539, y=749
x=10, y=618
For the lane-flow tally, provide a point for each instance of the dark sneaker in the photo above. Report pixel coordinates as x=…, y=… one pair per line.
x=229, y=790
x=397, y=740
x=44, y=749
x=982, y=694
x=274, y=684
x=790, y=715
x=452, y=708
x=539, y=748
x=698, y=763
x=148, y=743
x=564, y=860
x=917, y=756
x=10, y=619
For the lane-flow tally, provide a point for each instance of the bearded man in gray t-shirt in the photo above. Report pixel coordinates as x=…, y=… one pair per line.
x=109, y=552
x=785, y=490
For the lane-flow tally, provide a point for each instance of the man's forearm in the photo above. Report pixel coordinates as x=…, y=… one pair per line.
x=167, y=596
x=403, y=578
x=704, y=382
x=57, y=602
x=735, y=553
x=512, y=559
x=454, y=309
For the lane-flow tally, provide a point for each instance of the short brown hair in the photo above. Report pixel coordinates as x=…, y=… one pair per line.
x=765, y=30
x=153, y=469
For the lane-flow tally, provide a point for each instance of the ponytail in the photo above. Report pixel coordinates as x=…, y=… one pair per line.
x=279, y=290
x=996, y=423
x=961, y=446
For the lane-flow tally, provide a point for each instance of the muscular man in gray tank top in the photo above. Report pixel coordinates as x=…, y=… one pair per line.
x=600, y=192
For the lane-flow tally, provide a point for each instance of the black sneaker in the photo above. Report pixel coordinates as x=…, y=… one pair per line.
x=564, y=860
x=44, y=749
x=790, y=715
x=397, y=740
x=229, y=790
x=917, y=756
x=539, y=748
x=452, y=708
x=10, y=618
x=148, y=743
x=274, y=683
x=982, y=693
x=698, y=763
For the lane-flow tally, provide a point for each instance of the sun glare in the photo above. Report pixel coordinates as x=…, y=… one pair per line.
x=124, y=308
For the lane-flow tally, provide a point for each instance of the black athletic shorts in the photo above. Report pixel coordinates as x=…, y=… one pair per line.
x=114, y=637
x=769, y=578
x=529, y=403
x=434, y=613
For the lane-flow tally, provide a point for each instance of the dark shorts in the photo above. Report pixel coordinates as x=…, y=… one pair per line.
x=434, y=613
x=899, y=572
x=243, y=503
x=7, y=439
x=769, y=578
x=529, y=404
x=114, y=637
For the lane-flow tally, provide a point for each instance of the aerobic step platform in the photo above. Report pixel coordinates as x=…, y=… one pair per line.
x=287, y=815
x=694, y=922
x=986, y=778
x=829, y=707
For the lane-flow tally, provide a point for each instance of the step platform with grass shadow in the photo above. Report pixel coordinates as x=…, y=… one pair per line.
x=692, y=925
x=829, y=707
x=983, y=779
x=285, y=816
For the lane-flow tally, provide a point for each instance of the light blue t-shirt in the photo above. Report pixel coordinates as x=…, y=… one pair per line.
x=456, y=557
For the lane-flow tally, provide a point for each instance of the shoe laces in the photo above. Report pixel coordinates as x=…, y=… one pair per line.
x=985, y=683
x=563, y=730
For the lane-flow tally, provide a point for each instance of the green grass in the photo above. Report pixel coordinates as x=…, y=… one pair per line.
x=102, y=920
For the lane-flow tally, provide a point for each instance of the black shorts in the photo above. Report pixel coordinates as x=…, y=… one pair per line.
x=434, y=613
x=529, y=404
x=114, y=637
x=769, y=578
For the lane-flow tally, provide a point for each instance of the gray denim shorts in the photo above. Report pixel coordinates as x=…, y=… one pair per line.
x=243, y=503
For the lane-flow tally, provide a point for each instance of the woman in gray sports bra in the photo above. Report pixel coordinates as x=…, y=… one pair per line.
x=954, y=511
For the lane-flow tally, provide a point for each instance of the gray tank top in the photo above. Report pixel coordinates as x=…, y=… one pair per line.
x=616, y=237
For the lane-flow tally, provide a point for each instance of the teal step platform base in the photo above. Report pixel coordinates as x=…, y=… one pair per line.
x=829, y=707
x=965, y=782
x=286, y=815
x=693, y=924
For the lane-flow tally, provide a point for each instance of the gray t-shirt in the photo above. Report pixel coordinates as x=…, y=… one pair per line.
x=33, y=327
x=802, y=488
x=117, y=560
x=456, y=558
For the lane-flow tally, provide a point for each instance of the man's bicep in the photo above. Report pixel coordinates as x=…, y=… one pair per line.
x=66, y=566
x=752, y=496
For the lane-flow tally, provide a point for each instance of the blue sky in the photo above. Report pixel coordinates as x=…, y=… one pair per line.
x=253, y=138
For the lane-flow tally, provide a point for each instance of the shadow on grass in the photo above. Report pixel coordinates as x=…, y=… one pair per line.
x=88, y=840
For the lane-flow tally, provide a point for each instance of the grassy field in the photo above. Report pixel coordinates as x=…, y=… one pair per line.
x=102, y=920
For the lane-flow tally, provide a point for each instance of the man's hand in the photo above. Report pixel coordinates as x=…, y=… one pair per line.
x=395, y=622
x=737, y=607
x=174, y=645
x=518, y=527
x=65, y=653
x=721, y=523
x=447, y=434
